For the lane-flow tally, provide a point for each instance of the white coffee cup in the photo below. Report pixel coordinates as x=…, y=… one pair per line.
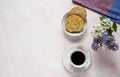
x=79, y=55
x=70, y=65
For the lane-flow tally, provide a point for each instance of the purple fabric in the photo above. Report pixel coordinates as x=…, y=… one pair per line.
x=108, y=8
x=100, y=6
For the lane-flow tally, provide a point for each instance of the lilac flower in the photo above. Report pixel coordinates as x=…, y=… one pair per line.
x=97, y=43
x=113, y=46
x=106, y=38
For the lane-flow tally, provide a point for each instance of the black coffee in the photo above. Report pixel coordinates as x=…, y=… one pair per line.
x=78, y=58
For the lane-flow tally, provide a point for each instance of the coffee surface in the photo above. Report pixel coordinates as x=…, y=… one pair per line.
x=78, y=58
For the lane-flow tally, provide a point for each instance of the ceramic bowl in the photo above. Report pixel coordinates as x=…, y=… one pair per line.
x=72, y=36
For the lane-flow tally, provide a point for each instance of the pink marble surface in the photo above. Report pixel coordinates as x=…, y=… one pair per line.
x=32, y=42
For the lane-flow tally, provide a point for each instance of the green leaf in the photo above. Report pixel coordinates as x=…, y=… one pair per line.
x=101, y=18
x=96, y=30
x=114, y=27
x=110, y=31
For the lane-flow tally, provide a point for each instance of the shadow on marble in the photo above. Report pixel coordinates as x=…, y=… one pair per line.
x=106, y=60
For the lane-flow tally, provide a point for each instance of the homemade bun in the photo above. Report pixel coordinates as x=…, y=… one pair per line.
x=74, y=23
x=79, y=11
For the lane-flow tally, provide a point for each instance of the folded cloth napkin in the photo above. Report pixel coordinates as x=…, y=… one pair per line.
x=108, y=8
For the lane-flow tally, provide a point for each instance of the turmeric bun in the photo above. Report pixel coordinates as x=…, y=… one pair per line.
x=74, y=24
x=79, y=11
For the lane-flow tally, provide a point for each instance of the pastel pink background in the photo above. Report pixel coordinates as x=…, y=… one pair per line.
x=32, y=42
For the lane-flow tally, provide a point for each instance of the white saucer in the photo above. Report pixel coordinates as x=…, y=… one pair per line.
x=67, y=60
